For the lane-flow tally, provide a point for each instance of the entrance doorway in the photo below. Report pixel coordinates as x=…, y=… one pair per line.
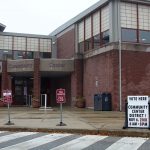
x=22, y=89
x=49, y=86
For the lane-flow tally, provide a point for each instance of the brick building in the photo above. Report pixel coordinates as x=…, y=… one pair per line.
x=104, y=49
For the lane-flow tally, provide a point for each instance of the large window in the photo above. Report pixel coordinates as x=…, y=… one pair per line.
x=144, y=17
x=22, y=55
x=19, y=54
x=96, y=41
x=129, y=35
x=96, y=29
x=6, y=42
x=32, y=44
x=135, y=22
x=45, y=55
x=144, y=36
x=22, y=47
x=105, y=37
x=88, y=35
x=5, y=54
x=128, y=15
x=29, y=55
x=81, y=36
x=93, y=31
x=45, y=45
x=19, y=43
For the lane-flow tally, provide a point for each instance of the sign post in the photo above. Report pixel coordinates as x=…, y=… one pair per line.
x=7, y=98
x=137, y=112
x=60, y=98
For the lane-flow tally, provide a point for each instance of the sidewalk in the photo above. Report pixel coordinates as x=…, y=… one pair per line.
x=81, y=121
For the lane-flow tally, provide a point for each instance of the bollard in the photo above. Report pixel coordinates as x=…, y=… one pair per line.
x=126, y=116
x=149, y=114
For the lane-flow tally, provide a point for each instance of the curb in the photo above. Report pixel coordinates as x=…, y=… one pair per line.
x=120, y=133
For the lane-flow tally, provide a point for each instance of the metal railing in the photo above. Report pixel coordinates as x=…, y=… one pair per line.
x=44, y=100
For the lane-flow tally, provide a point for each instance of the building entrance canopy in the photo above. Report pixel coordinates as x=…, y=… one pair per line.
x=46, y=65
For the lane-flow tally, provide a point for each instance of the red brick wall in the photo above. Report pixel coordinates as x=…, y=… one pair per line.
x=135, y=73
x=98, y=68
x=5, y=79
x=66, y=45
x=36, y=83
x=77, y=79
x=105, y=69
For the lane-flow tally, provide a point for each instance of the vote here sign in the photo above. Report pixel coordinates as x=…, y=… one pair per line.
x=138, y=111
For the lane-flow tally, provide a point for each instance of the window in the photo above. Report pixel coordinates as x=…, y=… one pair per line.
x=128, y=15
x=129, y=35
x=6, y=42
x=93, y=31
x=88, y=44
x=96, y=41
x=88, y=39
x=19, y=43
x=129, y=21
x=105, y=18
x=45, y=45
x=81, y=36
x=135, y=26
x=29, y=55
x=88, y=28
x=81, y=46
x=96, y=30
x=144, y=17
x=45, y=55
x=32, y=44
x=96, y=23
x=144, y=36
x=5, y=54
x=19, y=54
x=105, y=24
x=22, y=55
x=105, y=37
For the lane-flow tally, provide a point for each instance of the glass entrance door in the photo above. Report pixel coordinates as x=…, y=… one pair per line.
x=22, y=88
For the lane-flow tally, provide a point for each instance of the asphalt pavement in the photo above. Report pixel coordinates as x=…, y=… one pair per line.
x=74, y=120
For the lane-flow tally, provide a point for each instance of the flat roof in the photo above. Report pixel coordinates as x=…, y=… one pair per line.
x=85, y=13
x=25, y=35
x=2, y=27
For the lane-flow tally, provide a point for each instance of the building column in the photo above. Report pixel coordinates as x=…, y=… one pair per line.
x=5, y=80
x=77, y=81
x=36, y=83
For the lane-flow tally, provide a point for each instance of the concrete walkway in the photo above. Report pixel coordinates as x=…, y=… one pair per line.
x=84, y=121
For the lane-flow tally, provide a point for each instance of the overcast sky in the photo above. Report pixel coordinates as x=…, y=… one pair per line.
x=39, y=16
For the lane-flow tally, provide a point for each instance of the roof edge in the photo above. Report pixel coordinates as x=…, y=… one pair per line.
x=78, y=17
x=2, y=27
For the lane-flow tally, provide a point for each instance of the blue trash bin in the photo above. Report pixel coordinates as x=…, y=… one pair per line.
x=106, y=102
x=97, y=102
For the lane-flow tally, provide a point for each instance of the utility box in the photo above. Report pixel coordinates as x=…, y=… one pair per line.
x=97, y=102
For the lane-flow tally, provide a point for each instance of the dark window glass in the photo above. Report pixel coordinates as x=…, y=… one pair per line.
x=88, y=44
x=5, y=54
x=105, y=37
x=29, y=55
x=81, y=46
x=19, y=55
x=129, y=35
x=45, y=55
x=96, y=41
x=144, y=36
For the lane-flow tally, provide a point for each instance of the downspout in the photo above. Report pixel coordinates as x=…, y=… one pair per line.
x=120, y=58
